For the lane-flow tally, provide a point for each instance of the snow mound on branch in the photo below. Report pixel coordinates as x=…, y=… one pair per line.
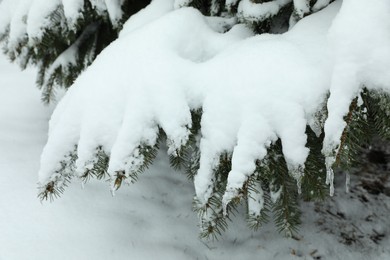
x=72, y=10
x=12, y=11
x=7, y=9
x=30, y=18
x=251, y=90
x=20, y=18
x=361, y=58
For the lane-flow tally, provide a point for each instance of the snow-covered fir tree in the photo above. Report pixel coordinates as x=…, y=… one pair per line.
x=61, y=37
x=258, y=101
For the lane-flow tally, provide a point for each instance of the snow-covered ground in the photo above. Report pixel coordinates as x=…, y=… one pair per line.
x=153, y=218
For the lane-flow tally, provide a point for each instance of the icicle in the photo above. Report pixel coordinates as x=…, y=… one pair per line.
x=347, y=182
x=330, y=174
x=297, y=173
x=330, y=180
x=112, y=190
x=299, y=185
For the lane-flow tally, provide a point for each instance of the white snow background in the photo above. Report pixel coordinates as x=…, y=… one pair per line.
x=151, y=219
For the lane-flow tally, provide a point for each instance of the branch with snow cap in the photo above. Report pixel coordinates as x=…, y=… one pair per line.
x=258, y=112
x=134, y=114
x=45, y=33
x=360, y=60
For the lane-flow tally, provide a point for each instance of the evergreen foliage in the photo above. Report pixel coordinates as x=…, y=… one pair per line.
x=263, y=18
x=65, y=48
x=60, y=179
x=272, y=190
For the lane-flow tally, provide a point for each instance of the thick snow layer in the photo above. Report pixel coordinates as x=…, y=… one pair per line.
x=155, y=10
x=38, y=17
x=302, y=7
x=30, y=18
x=72, y=10
x=360, y=58
x=114, y=9
x=252, y=90
x=152, y=219
x=119, y=144
x=7, y=10
x=18, y=23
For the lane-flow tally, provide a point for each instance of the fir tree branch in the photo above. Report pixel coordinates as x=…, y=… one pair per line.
x=343, y=138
